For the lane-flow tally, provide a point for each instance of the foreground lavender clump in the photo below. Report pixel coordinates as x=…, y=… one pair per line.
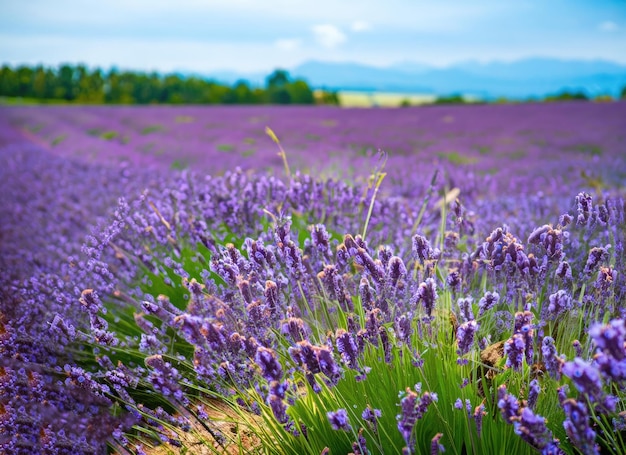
x=311, y=318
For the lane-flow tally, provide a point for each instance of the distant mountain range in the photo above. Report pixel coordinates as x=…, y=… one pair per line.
x=533, y=77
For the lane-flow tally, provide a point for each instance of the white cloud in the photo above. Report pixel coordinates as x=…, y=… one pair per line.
x=360, y=26
x=287, y=44
x=608, y=26
x=328, y=35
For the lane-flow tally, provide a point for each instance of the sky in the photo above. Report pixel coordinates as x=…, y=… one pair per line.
x=260, y=35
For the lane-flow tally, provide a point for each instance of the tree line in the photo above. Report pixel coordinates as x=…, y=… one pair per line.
x=78, y=84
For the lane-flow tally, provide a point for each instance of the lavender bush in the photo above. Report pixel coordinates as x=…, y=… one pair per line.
x=318, y=315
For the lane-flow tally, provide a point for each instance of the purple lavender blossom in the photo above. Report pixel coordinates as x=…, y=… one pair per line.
x=427, y=294
x=487, y=302
x=371, y=416
x=551, y=359
x=269, y=364
x=465, y=334
x=295, y=328
x=564, y=272
x=586, y=378
x=396, y=270
x=596, y=256
x=413, y=409
x=421, y=248
x=610, y=340
x=165, y=378
x=453, y=281
x=465, y=309
x=577, y=426
x=436, y=447
x=560, y=303
x=403, y=328
x=533, y=393
x=339, y=420
x=584, y=207
x=514, y=349
x=347, y=347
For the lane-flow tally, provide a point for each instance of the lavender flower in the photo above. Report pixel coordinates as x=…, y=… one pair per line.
x=403, y=328
x=295, y=328
x=596, y=256
x=427, y=294
x=584, y=207
x=560, y=303
x=551, y=359
x=487, y=302
x=533, y=393
x=586, y=378
x=269, y=364
x=509, y=405
x=479, y=413
x=465, y=337
x=360, y=446
x=421, y=248
x=413, y=409
x=339, y=420
x=396, y=270
x=465, y=309
x=577, y=426
x=435, y=446
x=164, y=377
x=564, y=272
x=514, y=349
x=371, y=417
x=347, y=347
x=611, y=342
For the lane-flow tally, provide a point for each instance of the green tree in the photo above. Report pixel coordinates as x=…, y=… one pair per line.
x=8, y=81
x=277, y=85
x=300, y=92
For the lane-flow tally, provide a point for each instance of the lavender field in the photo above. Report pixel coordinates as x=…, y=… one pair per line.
x=184, y=280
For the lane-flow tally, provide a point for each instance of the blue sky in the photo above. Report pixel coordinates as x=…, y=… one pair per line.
x=259, y=35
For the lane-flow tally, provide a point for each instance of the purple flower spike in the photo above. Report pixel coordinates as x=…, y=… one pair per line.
x=586, y=378
x=347, y=347
x=427, y=294
x=397, y=270
x=577, y=426
x=596, y=256
x=90, y=301
x=560, y=303
x=465, y=336
x=360, y=446
x=435, y=446
x=479, y=413
x=164, y=377
x=413, y=409
x=508, y=404
x=514, y=349
x=403, y=328
x=551, y=359
x=611, y=338
x=611, y=342
x=533, y=393
x=564, y=272
x=371, y=416
x=270, y=366
x=584, y=207
x=487, y=302
x=421, y=248
x=339, y=420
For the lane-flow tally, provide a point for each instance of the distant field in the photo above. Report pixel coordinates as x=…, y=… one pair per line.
x=350, y=98
x=568, y=139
